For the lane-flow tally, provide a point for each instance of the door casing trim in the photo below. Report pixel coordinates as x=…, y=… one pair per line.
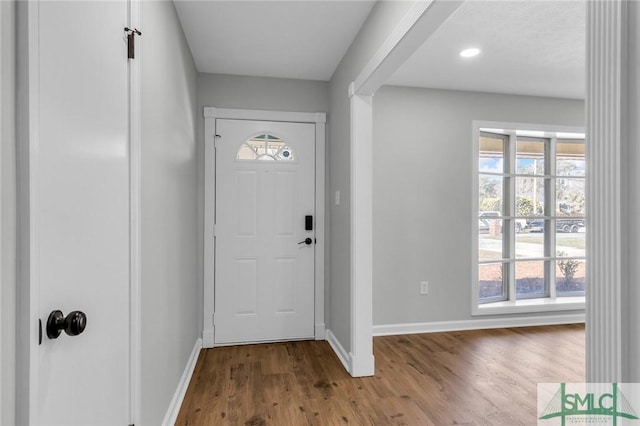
x=135, y=231
x=210, y=115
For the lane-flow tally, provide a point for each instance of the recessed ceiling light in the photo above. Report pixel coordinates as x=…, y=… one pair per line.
x=470, y=53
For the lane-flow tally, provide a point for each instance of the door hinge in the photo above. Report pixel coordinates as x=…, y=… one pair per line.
x=213, y=319
x=215, y=230
x=131, y=43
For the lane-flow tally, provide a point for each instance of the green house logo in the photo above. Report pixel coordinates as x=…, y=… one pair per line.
x=603, y=406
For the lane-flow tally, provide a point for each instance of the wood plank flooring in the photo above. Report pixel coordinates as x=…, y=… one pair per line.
x=485, y=377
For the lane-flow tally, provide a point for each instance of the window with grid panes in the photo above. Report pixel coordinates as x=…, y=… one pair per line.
x=531, y=216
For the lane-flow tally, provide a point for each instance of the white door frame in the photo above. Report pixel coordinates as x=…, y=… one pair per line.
x=135, y=141
x=210, y=115
x=28, y=194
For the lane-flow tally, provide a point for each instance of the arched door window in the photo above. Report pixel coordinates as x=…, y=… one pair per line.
x=265, y=147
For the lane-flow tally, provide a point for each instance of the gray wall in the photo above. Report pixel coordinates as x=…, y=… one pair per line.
x=7, y=213
x=169, y=286
x=422, y=206
x=381, y=21
x=263, y=93
x=275, y=94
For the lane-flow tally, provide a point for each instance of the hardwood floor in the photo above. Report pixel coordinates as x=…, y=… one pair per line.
x=485, y=377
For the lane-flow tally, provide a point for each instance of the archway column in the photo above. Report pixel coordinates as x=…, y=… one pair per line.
x=611, y=214
x=422, y=19
x=361, y=356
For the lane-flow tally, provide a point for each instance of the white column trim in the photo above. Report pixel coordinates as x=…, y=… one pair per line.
x=361, y=236
x=422, y=19
x=606, y=138
x=211, y=114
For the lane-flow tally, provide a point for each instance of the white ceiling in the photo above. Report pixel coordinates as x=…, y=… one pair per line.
x=529, y=47
x=288, y=39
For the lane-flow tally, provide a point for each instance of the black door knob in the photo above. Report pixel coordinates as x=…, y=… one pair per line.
x=73, y=324
x=306, y=241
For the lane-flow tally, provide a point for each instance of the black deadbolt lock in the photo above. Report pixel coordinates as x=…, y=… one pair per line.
x=73, y=324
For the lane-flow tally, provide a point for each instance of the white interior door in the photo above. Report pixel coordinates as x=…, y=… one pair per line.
x=80, y=210
x=265, y=244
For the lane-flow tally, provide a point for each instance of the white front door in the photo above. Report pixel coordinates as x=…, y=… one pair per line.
x=265, y=223
x=80, y=213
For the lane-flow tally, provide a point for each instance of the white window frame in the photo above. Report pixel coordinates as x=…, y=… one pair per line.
x=512, y=306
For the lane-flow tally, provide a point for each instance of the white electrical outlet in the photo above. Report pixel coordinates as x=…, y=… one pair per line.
x=424, y=287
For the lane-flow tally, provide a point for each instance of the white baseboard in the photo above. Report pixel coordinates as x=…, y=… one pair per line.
x=181, y=390
x=475, y=324
x=340, y=352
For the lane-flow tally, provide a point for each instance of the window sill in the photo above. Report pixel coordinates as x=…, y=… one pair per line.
x=531, y=305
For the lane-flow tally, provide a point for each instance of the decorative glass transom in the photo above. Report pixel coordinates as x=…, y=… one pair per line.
x=265, y=147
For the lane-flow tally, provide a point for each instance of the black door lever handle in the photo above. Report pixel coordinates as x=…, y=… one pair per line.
x=306, y=241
